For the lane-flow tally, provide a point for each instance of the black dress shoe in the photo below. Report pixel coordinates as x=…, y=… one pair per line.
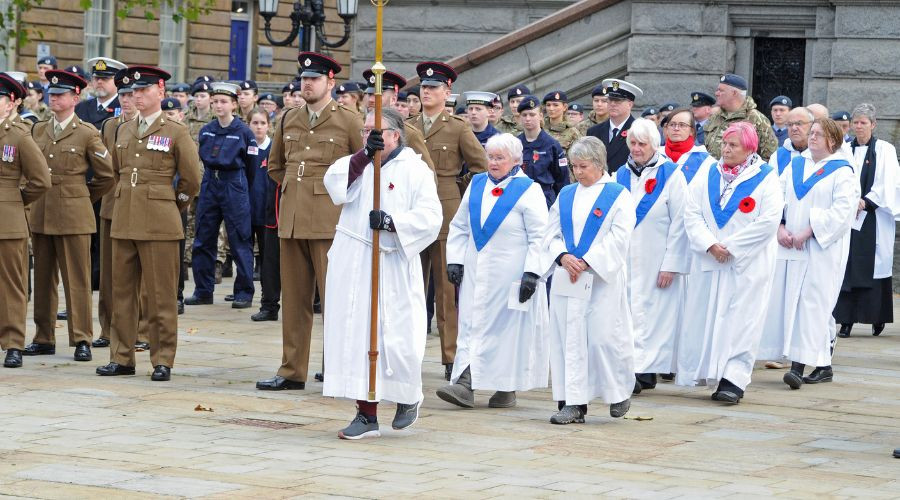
x=62, y=315
x=320, y=377
x=877, y=328
x=161, y=374
x=647, y=380
x=448, y=371
x=279, y=383
x=896, y=452
x=33, y=349
x=264, y=315
x=637, y=387
x=13, y=358
x=242, y=304
x=83, y=351
x=820, y=375
x=668, y=377
x=227, y=269
x=141, y=346
x=114, y=369
x=844, y=332
x=198, y=301
x=726, y=397
x=180, y=307
x=317, y=308
x=101, y=342
x=229, y=297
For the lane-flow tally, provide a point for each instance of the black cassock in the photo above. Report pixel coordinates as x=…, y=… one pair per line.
x=864, y=299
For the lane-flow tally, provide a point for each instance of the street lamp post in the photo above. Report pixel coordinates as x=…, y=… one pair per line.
x=310, y=14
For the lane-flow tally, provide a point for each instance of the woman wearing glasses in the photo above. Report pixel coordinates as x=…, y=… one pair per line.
x=692, y=159
x=731, y=219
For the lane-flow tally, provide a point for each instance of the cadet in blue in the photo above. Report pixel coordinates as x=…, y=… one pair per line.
x=228, y=151
x=543, y=158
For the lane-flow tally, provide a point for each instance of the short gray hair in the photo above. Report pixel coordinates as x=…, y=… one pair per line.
x=864, y=109
x=508, y=143
x=809, y=114
x=644, y=130
x=589, y=149
x=393, y=120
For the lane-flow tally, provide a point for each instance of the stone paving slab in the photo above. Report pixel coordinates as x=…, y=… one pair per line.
x=71, y=434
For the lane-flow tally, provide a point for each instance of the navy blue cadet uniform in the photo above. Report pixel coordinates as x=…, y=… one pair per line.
x=544, y=160
x=229, y=157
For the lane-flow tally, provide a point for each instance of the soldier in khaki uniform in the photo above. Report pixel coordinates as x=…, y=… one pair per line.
x=307, y=141
x=556, y=103
x=599, y=110
x=737, y=106
x=509, y=124
x=146, y=224
x=450, y=142
x=21, y=159
x=62, y=221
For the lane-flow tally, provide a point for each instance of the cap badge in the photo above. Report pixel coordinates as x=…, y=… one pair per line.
x=205, y=78
x=126, y=80
x=54, y=80
x=100, y=66
x=556, y=95
x=429, y=72
x=531, y=104
x=343, y=89
x=246, y=85
x=372, y=79
x=784, y=101
x=137, y=75
x=722, y=79
x=615, y=85
x=695, y=97
x=307, y=62
x=518, y=91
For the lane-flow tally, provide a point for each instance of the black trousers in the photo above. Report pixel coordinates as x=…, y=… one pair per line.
x=270, y=270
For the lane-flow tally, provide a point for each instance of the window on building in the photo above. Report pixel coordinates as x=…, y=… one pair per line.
x=98, y=29
x=172, y=48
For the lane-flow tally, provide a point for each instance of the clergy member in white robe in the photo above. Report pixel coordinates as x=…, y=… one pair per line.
x=408, y=221
x=659, y=255
x=821, y=193
x=691, y=158
x=494, y=255
x=731, y=219
x=866, y=294
x=591, y=341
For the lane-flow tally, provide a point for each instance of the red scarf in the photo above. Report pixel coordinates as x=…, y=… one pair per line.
x=674, y=150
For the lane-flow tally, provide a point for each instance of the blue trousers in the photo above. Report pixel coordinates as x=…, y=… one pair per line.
x=224, y=195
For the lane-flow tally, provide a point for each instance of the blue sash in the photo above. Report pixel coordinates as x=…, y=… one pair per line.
x=604, y=202
x=623, y=177
x=783, y=157
x=692, y=164
x=511, y=194
x=743, y=190
x=801, y=187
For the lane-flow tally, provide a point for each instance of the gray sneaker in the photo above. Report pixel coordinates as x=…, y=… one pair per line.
x=619, y=410
x=502, y=399
x=570, y=414
x=360, y=427
x=406, y=416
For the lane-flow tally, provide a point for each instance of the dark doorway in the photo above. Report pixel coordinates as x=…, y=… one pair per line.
x=778, y=69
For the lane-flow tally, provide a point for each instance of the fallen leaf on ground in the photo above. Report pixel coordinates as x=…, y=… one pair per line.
x=201, y=408
x=639, y=418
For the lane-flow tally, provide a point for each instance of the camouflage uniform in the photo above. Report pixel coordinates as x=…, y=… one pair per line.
x=508, y=125
x=565, y=133
x=195, y=120
x=42, y=112
x=589, y=121
x=719, y=122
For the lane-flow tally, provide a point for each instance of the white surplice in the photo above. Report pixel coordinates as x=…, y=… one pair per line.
x=723, y=310
x=658, y=243
x=591, y=341
x=409, y=196
x=799, y=324
x=506, y=349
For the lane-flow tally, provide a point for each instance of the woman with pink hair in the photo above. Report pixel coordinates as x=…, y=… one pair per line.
x=731, y=220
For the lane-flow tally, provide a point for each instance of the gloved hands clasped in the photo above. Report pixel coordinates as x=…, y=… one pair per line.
x=381, y=221
x=528, y=286
x=455, y=274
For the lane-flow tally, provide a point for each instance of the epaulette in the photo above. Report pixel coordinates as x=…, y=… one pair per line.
x=86, y=124
x=458, y=118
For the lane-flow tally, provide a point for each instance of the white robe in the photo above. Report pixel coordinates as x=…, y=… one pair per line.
x=799, y=324
x=413, y=204
x=505, y=349
x=723, y=311
x=773, y=160
x=883, y=194
x=704, y=167
x=591, y=341
x=658, y=244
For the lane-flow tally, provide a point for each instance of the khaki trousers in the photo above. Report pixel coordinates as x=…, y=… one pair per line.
x=105, y=304
x=153, y=266
x=303, y=267
x=434, y=259
x=72, y=253
x=13, y=281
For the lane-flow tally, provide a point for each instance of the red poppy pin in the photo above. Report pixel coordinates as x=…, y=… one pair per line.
x=391, y=186
x=820, y=171
x=623, y=133
x=650, y=185
x=535, y=157
x=747, y=205
x=598, y=212
x=497, y=191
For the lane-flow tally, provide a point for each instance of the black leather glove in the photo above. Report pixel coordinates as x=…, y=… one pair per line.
x=380, y=220
x=375, y=142
x=455, y=273
x=528, y=286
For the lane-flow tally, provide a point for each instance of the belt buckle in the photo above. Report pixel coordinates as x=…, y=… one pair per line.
x=134, y=177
